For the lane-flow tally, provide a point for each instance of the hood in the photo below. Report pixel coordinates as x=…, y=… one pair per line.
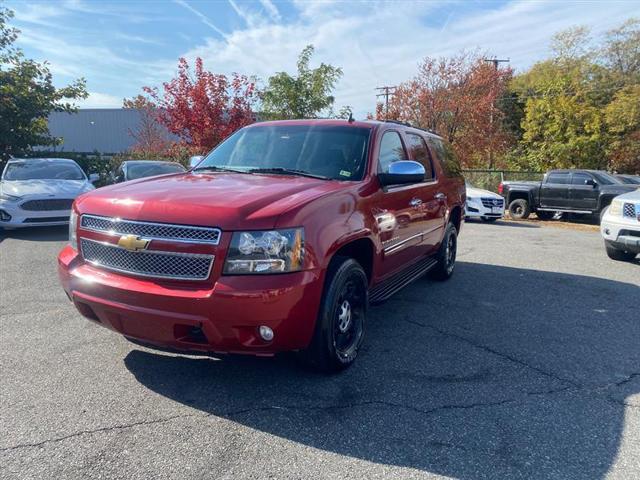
x=45, y=188
x=478, y=192
x=230, y=201
x=633, y=196
x=619, y=189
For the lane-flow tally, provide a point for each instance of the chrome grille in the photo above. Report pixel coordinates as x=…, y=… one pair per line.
x=48, y=204
x=629, y=210
x=147, y=263
x=158, y=231
x=492, y=202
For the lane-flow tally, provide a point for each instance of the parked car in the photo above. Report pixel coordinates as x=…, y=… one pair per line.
x=483, y=204
x=40, y=191
x=278, y=240
x=629, y=179
x=620, y=227
x=135, y=169
x=586, y=192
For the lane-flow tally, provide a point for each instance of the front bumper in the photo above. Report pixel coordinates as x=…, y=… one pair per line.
x=475, y=209
x=621, y=232
x=30, y=218
x=223, y=318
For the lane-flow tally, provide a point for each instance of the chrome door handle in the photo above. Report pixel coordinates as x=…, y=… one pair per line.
x=440, y=196
x=415, y=202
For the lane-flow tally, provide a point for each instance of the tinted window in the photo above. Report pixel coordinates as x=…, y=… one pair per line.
x=332, y=151
x=141, y=170
x=605, y=179
x=391, y=150
x=43, y=170
x=580, y=178
x=420, y=153
x=448, y=158
x=558, y=178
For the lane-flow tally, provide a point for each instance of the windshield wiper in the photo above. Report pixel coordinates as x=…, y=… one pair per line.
x=213, y=168
x=288, y=171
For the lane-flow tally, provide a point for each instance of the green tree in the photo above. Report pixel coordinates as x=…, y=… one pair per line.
x=27, y=96
x=305, y=95
x=622, y=116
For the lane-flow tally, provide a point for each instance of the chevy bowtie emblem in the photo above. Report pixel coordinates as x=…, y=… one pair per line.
x=133, y=243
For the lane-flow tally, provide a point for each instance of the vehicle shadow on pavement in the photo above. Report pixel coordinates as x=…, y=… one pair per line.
x=37, y=234
x=526, y=377
x=503, y=222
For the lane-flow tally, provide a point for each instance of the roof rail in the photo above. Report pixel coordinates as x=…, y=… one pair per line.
x=407, y=124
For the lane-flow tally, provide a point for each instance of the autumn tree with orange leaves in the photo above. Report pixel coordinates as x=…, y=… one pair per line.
x=456, y=98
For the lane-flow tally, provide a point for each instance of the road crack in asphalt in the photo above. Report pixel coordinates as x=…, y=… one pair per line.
x=496, y=352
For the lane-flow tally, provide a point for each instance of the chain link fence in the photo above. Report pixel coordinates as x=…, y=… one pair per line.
x=490, y=179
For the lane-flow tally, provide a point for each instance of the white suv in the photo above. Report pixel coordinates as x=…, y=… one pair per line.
x=620, y=227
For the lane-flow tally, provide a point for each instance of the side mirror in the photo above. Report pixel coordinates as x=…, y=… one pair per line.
x=195, y=160
x=94, y=177
x=590, y=182
x=402, y=172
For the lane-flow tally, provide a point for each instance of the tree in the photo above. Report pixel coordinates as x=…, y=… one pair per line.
x=456, y=98
x=204, y=108
x=150, y=136
x=621, y=50
x=622, y=116
x=303, y=96
x=27, y=96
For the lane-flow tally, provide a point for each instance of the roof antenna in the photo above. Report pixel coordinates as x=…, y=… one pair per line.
x=351, y=119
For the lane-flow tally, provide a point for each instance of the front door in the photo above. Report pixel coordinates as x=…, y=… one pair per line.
x=583, y=194
x=400, y=212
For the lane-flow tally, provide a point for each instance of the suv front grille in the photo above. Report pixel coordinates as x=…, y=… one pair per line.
x=150, y=230
x=48, y=204
x=629, y=210
x=492, y=202
x=147, y=263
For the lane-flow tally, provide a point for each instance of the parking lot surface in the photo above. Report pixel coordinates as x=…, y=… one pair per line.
x=525, y=365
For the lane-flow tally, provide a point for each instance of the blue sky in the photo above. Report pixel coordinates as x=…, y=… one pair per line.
x=120, y=46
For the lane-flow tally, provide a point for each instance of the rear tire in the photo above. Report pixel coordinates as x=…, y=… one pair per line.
x=519, y=209
x=446, y=255
x=545, y=215
x=617, y=254
x=340, y=325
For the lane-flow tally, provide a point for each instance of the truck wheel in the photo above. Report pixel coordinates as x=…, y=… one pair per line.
x=617, y=254
x=340, y=324
x=545, y=215
x=519, y=209
x=446, y=255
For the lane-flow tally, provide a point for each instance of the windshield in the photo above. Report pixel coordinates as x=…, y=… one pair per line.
x=605, y=179
x=141, y=170
x=43, y=170
x=629, y=180
x=334, y=152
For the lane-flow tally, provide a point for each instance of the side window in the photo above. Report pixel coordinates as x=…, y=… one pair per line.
x=420, y=153
x=558, y=178
x=580, y=178
x=446, y=155
x=391, y=150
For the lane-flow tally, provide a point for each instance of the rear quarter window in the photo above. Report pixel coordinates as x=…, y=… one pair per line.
x=447, y=157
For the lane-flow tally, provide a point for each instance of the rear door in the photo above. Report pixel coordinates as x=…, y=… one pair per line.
x=554, y=191
x=583, y=194
x=400, y=211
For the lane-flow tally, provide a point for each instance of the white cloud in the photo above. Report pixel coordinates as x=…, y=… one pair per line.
x=203, y=18
x=100, y=100
x=271, y=9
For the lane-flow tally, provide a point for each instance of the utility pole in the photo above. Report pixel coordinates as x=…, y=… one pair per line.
x=386, y=93
x=496, y=63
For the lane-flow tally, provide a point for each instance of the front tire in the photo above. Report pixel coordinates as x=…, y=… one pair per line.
x=340, y=325
x=617, y=254
x=446, y=255
x=519, y=209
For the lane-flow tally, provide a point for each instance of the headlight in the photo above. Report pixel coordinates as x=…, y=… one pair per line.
x=9, y=198
x=615, y=208
x=73, y=224
x=272, y=251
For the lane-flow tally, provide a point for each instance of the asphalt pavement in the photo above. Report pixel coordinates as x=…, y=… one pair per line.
x=526, y=364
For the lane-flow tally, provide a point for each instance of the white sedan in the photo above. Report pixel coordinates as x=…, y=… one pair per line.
x=483, y=204
x=620, y=227
x=40, y=191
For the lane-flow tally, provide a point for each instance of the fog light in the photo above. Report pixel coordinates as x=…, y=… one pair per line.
x=4, y=216
x=266, y=333
x=607, y=231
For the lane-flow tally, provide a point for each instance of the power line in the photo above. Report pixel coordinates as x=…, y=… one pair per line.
x=388, y=91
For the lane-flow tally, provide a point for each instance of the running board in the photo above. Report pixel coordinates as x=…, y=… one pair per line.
x=397, y=282
x=545, y=209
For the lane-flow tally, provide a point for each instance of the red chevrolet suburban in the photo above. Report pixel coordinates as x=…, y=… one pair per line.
x=278, y=240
